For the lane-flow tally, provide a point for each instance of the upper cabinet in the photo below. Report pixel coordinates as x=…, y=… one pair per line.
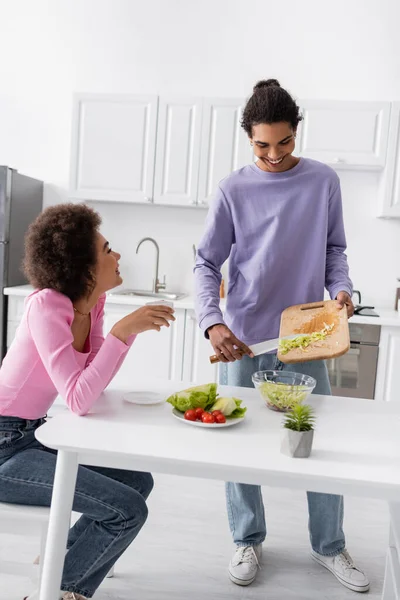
x=224, y=148
x=174, y=151
x=178, y=151
x=345, y=135
x=389, y=196
x=113, y=147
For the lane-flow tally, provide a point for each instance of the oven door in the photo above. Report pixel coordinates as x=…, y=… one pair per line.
x=354, y=374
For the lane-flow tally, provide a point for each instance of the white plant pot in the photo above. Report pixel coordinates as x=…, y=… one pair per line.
x=297, y=444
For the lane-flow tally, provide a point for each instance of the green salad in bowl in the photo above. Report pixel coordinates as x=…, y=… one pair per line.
x=282, y=390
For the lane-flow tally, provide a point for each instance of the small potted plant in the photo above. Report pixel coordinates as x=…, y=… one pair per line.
x=298, y=431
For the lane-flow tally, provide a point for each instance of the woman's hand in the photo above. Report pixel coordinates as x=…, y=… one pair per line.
x=143, y=319
x=226, y=345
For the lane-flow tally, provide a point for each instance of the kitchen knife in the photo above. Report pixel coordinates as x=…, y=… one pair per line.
x=260, y=348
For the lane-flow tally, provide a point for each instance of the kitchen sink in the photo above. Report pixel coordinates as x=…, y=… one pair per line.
x=148, y=294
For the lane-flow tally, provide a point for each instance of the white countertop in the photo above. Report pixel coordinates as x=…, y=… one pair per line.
x=387, y=317
x=112, y=298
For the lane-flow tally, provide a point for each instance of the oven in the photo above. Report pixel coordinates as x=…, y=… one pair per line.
x=354, y=373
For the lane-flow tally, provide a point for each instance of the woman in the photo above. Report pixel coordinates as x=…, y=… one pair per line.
x=59, y=349
x=280, y=222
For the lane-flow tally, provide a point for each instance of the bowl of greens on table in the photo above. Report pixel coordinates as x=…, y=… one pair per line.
x=283, y=390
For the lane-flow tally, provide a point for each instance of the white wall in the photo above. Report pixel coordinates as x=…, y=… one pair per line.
x=348, y=49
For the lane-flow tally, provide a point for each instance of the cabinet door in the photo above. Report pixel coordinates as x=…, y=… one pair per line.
x=345, y=135
x=225, y=146
x=197, y=350
x=389, y=194
x=388, y=376
x=16, y=306
x=156, y=355
x=113, y=147
x=178, y=151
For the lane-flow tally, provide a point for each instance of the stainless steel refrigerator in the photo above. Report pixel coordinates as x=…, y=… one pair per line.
x=21, y=200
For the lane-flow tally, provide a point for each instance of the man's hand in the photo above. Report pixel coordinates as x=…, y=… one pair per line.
x=343, y=299
x=226, y=346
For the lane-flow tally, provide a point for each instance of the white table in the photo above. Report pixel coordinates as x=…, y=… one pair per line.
x=356, y=451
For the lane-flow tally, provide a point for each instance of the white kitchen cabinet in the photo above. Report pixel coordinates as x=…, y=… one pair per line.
x=178, y=151
x=388, y=376
x=225, y=146
x=345, y=135
x=154, y=354
x=16, y=305
x=389, y=193
x=197, y=350
x=113, y=147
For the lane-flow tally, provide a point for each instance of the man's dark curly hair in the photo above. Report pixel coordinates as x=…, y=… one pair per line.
x=60, y=250
x=269, y=104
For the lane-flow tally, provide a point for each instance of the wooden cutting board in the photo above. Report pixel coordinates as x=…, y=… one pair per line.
x=307, y=318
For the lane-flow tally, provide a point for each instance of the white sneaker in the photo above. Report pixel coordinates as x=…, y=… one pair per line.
x=344, y=569
x=244, y=564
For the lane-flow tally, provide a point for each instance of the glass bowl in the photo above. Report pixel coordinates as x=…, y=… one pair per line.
x=282, y=390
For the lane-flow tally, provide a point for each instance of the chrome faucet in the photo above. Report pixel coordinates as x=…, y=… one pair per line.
x=157, y=286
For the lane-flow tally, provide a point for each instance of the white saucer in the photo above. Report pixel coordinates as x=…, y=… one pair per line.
x=144, y=398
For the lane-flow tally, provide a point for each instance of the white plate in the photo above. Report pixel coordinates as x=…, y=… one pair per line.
x=144, y=397
x=229, y=422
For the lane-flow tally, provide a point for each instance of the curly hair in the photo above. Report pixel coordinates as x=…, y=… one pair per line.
x=270, y=103
x=60, y=250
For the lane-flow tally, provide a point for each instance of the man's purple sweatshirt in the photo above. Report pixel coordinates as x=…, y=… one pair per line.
x=285, y=239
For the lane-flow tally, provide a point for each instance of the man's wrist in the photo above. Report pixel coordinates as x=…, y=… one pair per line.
x=212, y=327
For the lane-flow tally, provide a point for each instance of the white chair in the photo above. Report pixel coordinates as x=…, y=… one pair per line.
x=20, y=519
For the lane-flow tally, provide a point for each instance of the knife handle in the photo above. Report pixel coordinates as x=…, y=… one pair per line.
x=214, y=359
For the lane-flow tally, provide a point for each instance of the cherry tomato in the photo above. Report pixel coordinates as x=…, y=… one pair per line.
x=220, y=418
x=207, y=418
x=199, y=412
x=216, y=412
x=190, y=415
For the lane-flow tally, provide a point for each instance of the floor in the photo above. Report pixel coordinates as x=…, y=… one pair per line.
x=183, y=551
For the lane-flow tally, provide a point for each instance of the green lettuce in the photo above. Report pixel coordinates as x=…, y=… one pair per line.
x=239, y=411
x=230, y=407
x=201, y=396
x=304, y=340
x=225, y=405
x=282, y=395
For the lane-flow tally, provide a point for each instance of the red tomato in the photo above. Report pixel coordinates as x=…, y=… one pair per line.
x=199, y=412
x=190, y=415
x=216, y=412
x=220, y=418
x=207, y=418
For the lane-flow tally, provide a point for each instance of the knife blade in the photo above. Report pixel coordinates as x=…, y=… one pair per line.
x=261, y=348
